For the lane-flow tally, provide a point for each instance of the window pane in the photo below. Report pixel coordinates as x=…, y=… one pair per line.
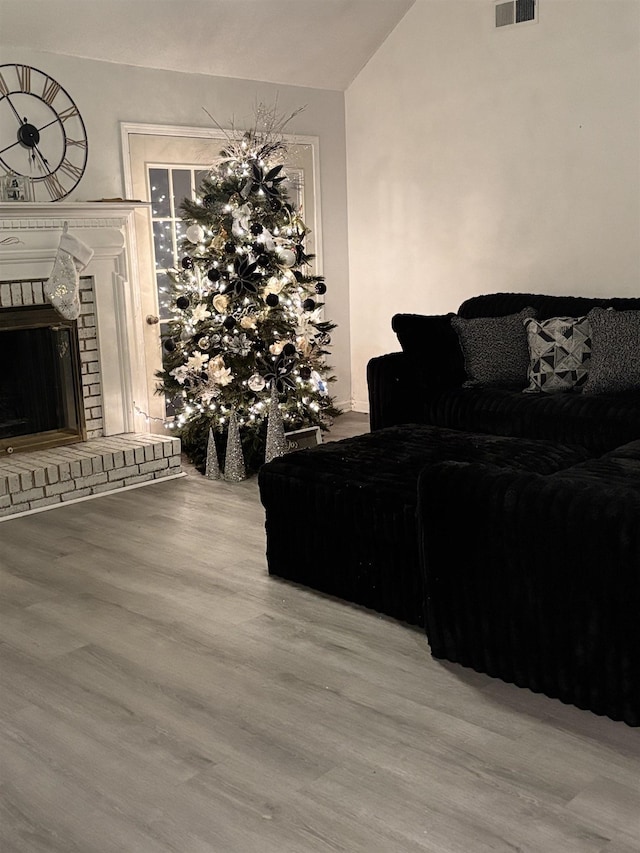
x=159, y=183
x=181, y=188
x=164, y=295
x=181, y=230
x=199, y=177
x=172, y=404
x=163, y=245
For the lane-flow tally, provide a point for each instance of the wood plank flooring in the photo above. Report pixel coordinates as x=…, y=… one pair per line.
x=159, y=692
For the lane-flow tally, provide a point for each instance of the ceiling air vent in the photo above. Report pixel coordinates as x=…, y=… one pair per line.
x=515, y=12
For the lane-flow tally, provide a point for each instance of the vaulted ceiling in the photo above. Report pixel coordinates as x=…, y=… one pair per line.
x=317, y=43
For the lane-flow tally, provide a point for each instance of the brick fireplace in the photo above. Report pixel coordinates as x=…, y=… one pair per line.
x=103, y=440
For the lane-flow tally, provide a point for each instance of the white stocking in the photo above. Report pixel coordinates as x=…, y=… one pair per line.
x=61, y=288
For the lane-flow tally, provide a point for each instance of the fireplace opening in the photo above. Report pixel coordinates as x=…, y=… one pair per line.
x=40, y=380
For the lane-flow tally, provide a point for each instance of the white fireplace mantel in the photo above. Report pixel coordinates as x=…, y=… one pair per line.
x=29, y=237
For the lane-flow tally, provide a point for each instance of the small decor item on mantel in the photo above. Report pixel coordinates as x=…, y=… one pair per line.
x=49, y=150
x=15, y=188
x=61, y=288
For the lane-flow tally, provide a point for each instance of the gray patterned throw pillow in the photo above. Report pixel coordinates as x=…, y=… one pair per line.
x=559, y=350
x=495, y=348
x=615, y=351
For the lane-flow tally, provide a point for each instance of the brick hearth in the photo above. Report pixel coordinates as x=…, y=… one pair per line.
x=47, y=478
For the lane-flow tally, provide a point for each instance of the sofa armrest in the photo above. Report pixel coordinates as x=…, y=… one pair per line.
x=401, y=383
x=392, y=396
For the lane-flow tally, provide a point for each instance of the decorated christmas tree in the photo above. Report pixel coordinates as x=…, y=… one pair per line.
x=247, y=334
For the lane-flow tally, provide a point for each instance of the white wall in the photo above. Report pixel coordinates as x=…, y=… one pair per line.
x=483, y=160
x=107, y=94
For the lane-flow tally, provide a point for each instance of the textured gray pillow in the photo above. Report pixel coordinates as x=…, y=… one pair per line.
x=615, y=351
x=495, y=348
x=560, y=351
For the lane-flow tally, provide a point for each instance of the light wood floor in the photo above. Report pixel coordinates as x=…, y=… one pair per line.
x=159, y=692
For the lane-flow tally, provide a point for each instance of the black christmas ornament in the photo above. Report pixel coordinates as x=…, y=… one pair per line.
x=321, y=287
x=209, y=200
x=187, y=263
x=305, y=373
x=257, y=247
x=256, y=228
x=169, y=344
x=289, y=349
x=229, y=322
x=213, y=274
x=183, y=302
x=272, y=300
x=229, y=247
x=275, y=204
x=309, y=304
x=263, y=260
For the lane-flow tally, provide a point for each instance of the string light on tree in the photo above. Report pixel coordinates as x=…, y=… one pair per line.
x=246, y=309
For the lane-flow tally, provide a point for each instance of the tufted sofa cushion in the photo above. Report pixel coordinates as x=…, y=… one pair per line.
x=597, y=422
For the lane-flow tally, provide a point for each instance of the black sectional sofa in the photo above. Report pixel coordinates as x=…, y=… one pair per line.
x=504, y=522
x=425, y=383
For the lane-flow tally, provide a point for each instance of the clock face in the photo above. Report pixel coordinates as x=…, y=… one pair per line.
x=42, y=135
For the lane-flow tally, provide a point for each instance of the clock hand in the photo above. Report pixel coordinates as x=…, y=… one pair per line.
x=10, y=146
x=15, y=111
x=43, y=159
x=48, y=124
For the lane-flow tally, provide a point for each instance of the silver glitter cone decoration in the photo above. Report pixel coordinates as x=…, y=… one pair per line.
x=212, y=470
x=276, y=441
x=234, y=469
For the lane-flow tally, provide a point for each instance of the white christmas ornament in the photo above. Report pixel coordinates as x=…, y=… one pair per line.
x=319, y=382
x=286, y=257
x=195, y=233
x=240, y=221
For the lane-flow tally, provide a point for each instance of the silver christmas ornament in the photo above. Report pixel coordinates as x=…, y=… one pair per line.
x=256, y=382
x=212, y=470
x=276, y=442
x=234, y=470
x=195, y=233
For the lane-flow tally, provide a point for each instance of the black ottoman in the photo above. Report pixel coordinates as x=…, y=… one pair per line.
x=341, y=517
x=543, y=588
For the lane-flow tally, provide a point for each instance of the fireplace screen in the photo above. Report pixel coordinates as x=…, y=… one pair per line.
x=40, y=386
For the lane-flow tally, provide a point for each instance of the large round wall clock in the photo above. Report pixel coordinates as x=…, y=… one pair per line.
x=42, y=135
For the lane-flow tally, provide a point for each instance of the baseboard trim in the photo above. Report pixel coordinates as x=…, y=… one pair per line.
x=361, y=406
